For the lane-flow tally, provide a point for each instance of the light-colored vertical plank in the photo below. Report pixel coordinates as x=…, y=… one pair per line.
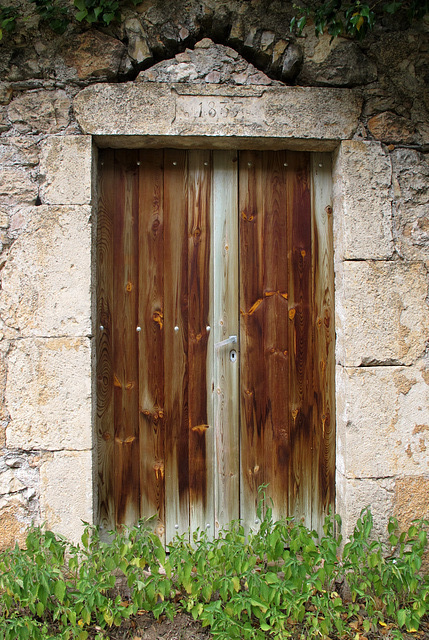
x=300, y=335
x=104, y=365
x=201, y=432
x=252, y=371
x=176, y=342
x=225, y=324
x=151, y=336
x=323, y=454
x=125, y=348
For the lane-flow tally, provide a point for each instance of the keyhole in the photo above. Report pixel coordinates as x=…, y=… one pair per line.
x=233, y=355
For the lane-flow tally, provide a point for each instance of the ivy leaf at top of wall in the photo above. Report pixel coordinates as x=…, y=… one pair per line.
x=53, y=14
x=354, y=19
x=8, y=16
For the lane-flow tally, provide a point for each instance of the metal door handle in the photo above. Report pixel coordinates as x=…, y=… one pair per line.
x=223, y=343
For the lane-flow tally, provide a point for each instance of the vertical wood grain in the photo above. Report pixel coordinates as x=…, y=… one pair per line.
x=182, y=432
x=252, y=366
x=200, y=429
x=151, y=336
x=176, y=342
x=323, y=484
x=300, y=335
x=225, y=323
x=104, y=366
x=276, y=350
x=125, y=346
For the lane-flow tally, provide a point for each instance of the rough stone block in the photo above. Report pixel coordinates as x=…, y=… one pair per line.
x=383, y=313
x=66, y=489
x=17, y=187
x=411, y=203
x=94, y=55
x=6, y=93
x=18, y=474
x=388, y=127
x=21, y=151
x=46, y=278
x=65, y=168
x=48, y=394
x=362, y=201
x=346, y=65
x=411, y=499
x=5, y=124
x=382, y=421
x=16, y=515
x=354, y=495
x=40, y=111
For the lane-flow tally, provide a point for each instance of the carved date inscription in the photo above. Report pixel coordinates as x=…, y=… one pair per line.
x=216, y=109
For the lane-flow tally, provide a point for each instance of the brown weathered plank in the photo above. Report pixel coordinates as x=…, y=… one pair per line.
x=275, y=331
x=125, y=349
x=323, y=485
x=200, y=429
x=300, y=334
x=104, y=370
x=151, y=336
x=226, y=393
x=252, y=370
x=176, y=342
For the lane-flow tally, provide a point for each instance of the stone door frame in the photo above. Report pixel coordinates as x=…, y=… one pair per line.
x=135, y=115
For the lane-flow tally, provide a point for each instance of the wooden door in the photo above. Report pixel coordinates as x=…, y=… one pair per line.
x=215, y=349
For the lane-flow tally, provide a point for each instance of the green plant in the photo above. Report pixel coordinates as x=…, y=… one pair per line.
x=388, y=586
x=93, y=11
x=54, y=15
x=355, y=18
x=277, y=582
x=8, y=18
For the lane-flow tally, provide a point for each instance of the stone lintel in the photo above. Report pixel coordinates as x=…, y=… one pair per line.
x=189, y=111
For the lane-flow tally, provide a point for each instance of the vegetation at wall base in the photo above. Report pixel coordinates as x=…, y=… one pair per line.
x=281, y=582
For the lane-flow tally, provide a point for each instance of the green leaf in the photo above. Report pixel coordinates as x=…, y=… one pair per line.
x=60, y=590
x=401, y=617
x=236, y=583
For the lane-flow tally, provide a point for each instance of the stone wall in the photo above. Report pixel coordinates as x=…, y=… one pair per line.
x=368, y=103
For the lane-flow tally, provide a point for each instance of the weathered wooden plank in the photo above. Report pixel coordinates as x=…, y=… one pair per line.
x=300, y=335
x=225, y=323
x=151, y=336
x=275, y=331
x=323, y=454
x=104, y=368
x=125, y=350
x=200, y=429
x=176, y=342
x=252, y=370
